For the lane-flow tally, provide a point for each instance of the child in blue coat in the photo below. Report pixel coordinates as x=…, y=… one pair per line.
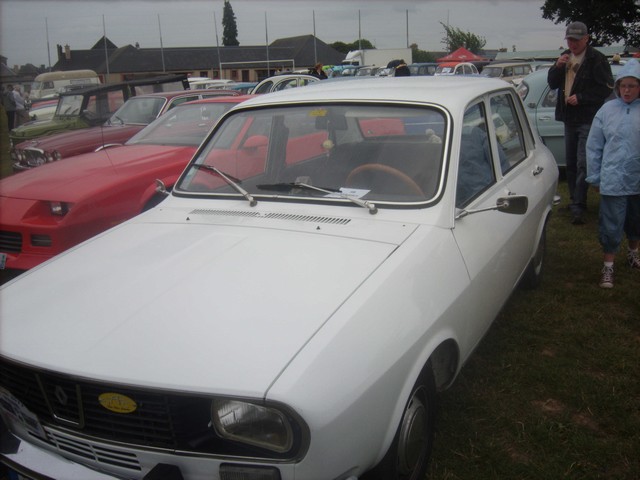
x=613, y=167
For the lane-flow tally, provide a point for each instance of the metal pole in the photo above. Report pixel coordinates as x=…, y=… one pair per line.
x=315, y=47
x=215, y=23
x=46, y=24
x=266, y=34
x=164, y=70
x=106, y=53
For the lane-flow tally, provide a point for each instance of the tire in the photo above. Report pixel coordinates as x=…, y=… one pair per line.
x=533, y=275
x=409, y=453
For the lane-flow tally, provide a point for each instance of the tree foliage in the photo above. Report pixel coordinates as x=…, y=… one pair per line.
x=229, y=26
x=456, y=38
x=609, y=21
x=345, y=48
x=421, y=56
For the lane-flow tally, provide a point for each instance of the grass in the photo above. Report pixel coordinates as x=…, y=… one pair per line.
x=553, y=391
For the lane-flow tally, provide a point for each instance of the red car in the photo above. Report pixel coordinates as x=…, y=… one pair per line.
x=47, y=210
x=135, y=114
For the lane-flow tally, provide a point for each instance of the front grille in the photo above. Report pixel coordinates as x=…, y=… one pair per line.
x=10, y=242
x=33, y=157
x=160, y=420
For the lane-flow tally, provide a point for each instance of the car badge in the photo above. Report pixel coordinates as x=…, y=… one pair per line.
x=61, y=395
x=118, y=403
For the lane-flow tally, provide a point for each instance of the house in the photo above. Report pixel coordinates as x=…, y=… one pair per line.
x=243, y=64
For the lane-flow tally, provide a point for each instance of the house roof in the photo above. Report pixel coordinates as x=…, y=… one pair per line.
x=296, y=51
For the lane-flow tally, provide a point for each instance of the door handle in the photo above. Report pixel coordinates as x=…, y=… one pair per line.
x=537, y=170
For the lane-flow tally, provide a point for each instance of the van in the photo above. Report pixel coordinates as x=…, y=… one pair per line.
x=50, y=84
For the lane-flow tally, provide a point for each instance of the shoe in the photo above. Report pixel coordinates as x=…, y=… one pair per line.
x=606, y=280
x=633, y=259
x=578, y=219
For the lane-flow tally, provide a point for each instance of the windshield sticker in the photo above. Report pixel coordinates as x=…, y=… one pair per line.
x=349, y=192
x=318, y=112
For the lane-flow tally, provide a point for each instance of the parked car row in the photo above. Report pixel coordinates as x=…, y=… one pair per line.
x=235, y=330
x=46, y=210
x=129, y=119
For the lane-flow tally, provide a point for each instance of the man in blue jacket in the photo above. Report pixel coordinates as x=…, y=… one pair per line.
x=613, y=167
x=582, y=76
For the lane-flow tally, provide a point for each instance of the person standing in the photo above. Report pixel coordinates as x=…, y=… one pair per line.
x=9, y=106
x=613, y=167
x=582, y=76
x=318, y=71
x=21, y=115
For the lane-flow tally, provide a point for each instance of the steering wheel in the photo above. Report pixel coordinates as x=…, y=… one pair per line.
x=387, y=170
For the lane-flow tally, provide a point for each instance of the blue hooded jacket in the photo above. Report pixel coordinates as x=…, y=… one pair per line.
x=613, y=146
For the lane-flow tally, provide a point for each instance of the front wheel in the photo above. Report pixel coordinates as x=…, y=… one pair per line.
x=409, y=453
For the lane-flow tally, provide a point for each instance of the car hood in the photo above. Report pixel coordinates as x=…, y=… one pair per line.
x=47, y=127
x=68, y=179
x=233, y=302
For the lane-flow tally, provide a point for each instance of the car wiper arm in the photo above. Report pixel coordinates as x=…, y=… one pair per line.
x=282, y=187
x=234, y=182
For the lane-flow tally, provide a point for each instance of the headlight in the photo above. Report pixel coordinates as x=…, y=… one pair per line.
x=252, y=424
x=59, y=209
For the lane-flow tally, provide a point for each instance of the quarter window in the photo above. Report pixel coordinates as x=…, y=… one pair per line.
x=508, y=132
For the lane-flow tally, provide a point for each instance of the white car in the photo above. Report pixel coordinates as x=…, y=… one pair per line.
x=284, y=82
x=326, y=263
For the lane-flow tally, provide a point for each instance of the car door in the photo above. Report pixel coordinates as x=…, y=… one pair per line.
x=491, y=243
x=551, y=130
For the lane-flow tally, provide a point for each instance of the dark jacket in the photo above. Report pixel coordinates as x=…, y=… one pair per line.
x=593, y=84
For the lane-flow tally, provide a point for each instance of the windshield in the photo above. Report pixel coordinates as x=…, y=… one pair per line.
x=138, y=110
x=492, y=71
x=388, y=154
x=69, y=105
x=184, y=125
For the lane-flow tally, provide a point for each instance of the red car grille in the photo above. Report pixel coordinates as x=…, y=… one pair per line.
x=10, y=242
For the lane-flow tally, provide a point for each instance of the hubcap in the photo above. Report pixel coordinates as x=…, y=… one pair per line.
x=413, y=435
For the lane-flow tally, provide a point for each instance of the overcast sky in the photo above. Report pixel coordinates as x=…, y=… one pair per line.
x=178, y=23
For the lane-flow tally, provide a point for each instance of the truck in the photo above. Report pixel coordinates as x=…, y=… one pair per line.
x=379, y=57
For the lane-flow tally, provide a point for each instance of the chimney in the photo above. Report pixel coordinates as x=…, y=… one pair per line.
x=67, y=52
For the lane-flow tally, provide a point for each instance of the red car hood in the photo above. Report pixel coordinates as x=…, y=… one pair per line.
x=71, y=178
x=83, y=140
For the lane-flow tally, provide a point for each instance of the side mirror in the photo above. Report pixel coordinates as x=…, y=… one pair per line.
x=514, y=204
x=256, y=141
x=161, y=188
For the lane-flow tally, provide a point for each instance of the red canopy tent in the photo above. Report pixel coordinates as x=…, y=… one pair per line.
x=462, y=55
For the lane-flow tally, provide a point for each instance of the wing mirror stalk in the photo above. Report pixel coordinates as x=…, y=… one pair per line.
x=514, y=204
x=161, y=188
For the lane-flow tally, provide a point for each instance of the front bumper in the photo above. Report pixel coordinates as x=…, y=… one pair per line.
x=38, y=464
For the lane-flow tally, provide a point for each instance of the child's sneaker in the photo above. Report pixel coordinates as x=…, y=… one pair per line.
x=606, y=280
x=633, y=259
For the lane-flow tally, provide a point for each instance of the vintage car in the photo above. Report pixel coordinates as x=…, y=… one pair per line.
x=129, y=119
x=326, y=263
x=540, y=104
x=427, y=68
x=49, y=209
x=284, y=82
x=90, y=106
x=512, y=72
x=42, y=110
x=455, y=68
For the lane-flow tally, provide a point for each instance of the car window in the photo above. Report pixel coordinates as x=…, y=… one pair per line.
x=508, y=132
x=475, y=166
x=265, y=87
x=550, y=99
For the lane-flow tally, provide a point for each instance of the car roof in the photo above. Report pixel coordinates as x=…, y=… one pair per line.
x=220, y=99
x=506, y=64
x=131, y=83
x=454, y=92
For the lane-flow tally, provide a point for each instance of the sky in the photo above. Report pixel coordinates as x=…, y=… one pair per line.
x=31, y=29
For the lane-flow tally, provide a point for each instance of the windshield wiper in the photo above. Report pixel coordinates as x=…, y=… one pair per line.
x=287, y=187
x=230, y=180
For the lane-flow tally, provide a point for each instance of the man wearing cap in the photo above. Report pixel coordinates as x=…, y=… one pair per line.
x=582, y=76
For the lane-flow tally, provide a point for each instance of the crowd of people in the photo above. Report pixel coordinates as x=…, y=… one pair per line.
x=602, y=143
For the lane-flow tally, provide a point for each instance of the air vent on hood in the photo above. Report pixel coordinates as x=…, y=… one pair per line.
x=276, y=216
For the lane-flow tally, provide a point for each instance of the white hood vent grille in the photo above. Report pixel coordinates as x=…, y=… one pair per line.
x=272, y=216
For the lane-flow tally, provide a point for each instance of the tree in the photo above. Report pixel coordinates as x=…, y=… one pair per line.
x=456, y=38
x=229, y=27
x=421, y=56
x=347, y=47
x=609, y=21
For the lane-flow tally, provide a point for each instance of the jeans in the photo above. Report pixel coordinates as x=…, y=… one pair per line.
x=575, y=142
x=618, y=215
